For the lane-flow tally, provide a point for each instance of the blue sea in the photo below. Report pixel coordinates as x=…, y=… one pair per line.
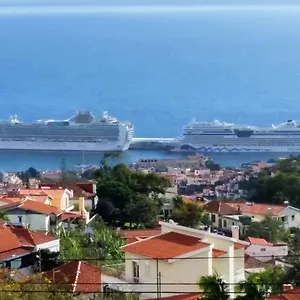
x=157, y=64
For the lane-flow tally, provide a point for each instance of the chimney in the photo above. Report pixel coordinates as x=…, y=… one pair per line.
x=235, y=230
x=287, y=287
x=81, y=205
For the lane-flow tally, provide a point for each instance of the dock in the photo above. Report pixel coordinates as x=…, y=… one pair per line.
x=152, y=144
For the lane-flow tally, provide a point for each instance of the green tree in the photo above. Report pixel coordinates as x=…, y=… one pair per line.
x=3, y=216
x=249, y=290
x=269, y=228
x=213, y=288
x=269, y=281
x=190, y=215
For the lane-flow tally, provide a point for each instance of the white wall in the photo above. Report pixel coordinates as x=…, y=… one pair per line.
x=174, y=276
x=265, y=253
x=53, y=246
x=33, y=220
x=291, y=217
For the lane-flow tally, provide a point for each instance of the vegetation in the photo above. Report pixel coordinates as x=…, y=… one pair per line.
x=3, y=216
x=126, y=196
x=277, y=184
x=31, y=289
x=100, y=244
x=269, y=228
x=188, y=214
x=213, y=288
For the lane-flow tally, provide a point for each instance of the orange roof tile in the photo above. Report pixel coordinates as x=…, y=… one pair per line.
x=135, y=235
x=20, y=240
x=190, y=296
x=166, y=246
x=79, y=277
x=32, y=206
x=221, y=208
x=293, y=294
x=258, y=241
x=238, y=246
x=218, y=253
x=32, y=192
x=257, y=208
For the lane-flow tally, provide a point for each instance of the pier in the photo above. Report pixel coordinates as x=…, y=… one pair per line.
x=152, y=143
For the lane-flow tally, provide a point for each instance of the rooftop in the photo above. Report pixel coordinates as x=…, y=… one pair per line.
x=79, y=276
x=258, y=241
x=166, y=246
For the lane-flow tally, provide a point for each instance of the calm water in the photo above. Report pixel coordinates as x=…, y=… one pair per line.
x=157, y=67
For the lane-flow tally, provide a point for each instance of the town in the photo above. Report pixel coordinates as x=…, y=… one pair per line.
x=173, y=229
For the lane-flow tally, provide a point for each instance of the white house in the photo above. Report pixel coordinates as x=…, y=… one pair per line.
x=264, y=250
x=173, y=261
x=20, y=245
x=289, y=215
x=34, y=215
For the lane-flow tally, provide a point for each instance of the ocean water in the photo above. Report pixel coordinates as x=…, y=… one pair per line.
x=157, y=66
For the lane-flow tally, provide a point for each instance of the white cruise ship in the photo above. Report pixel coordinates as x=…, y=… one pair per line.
x=83, y=132
x=219, y=136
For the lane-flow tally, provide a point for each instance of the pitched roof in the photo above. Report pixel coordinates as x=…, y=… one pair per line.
x=34, y=206
x=137, y=234
x=32, y=192
x=20, y=240
x=258, y=208
x=166, y=246
x=218, y=253
x=190, y=296
x=293, y=294
x=258, y=241
x=221, y=208
x=253, y=263
x=79, y=277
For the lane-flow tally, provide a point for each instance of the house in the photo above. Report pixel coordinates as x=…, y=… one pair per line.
x=188, y=296
x=223, y=216
x=34, y=215
x=82, y=189
x=264, y=250
x=165, y=263
x=78, y=277
x=19, y=247
x=289, y=293
x=289, y=215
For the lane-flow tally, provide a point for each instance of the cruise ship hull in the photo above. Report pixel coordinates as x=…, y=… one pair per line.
x=238, y=149
x=63, y=146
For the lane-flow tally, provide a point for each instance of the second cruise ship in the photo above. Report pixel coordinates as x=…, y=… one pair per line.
x=219, y=136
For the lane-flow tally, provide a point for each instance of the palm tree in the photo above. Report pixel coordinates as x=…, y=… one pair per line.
x=250, y=290
x=213, y=288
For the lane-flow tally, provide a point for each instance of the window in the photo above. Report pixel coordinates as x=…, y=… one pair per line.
x=20, y=219
x=293, y=218
x=213, y=218
x=225, y=223
x=282, y=219
x=136, y=271
x=147, y=269
x=263, y=249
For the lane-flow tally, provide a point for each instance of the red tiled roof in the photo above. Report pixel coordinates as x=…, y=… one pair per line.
x=218, y=253
x=258, y=241
x=70, y=215
x=253, y=263
x=79, y=277
x=293, y=294
x=19, y=241
x=137, y=234
x=257, y=208
x=166, y=246
x=239, y=246
x=32, y=192
x=190, y=296
x=14, y=253
x=33, y=206
x=221, y=208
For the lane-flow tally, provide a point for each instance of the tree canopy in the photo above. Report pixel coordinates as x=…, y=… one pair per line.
x=126, y=196
x=269, y=228
x=188, y=214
